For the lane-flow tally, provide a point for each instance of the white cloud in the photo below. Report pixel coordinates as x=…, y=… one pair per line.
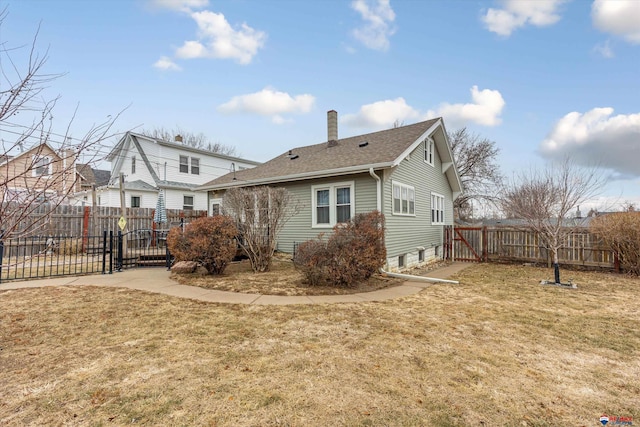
x=269, y=102
x=217, y=39
x=378, y=17
x=485, y=109
x=604, y=49
x=597, y=137
x=518, y=13
x=619, y=17
x=381, y=114
x=180, y=5
x=165, y=63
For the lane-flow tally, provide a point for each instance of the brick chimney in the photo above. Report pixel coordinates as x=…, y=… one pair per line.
x=178, y=138
x=332, y=128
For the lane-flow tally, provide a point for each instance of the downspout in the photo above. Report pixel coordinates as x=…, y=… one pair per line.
x=378, y=189
x=417, y=278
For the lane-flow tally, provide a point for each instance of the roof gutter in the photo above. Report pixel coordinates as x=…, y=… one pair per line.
x=297, y=177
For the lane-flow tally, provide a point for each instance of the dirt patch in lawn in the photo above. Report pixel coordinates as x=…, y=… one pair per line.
x=496, y=349
x=283, y=279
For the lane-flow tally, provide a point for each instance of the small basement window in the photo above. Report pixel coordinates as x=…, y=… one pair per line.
x=401, y=261
x=421, y=255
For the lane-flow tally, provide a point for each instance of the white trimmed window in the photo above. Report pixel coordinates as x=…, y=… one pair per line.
x=187, y=203
x=135, y=201
x=184, y=164
x=437, y=209
x=195, y=166
x=404, y=199
x=41, y=166
x=332, y=204
x=133, y=165
x=428, y=151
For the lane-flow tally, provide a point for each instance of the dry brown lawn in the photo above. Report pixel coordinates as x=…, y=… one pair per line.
x=497, y=349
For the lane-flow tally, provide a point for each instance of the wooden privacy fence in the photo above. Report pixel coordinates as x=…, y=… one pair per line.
x=522, y=244
x=84, y=220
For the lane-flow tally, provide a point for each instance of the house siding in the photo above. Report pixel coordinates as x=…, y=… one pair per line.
x=299, y=228
x=406, y=234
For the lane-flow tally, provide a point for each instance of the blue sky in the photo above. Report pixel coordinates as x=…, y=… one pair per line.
x=543, y=78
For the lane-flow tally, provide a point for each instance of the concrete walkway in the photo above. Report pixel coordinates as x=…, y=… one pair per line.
x=157, y=280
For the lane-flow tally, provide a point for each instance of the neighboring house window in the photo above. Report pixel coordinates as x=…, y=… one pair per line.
x=41, y=166
x=404, y=199
x=195, y=166
x=184, y=164
x=428, y=151
x=187, y=204
x=437, y=209
x=332, y=204
x=133, y=165
x=135, y=201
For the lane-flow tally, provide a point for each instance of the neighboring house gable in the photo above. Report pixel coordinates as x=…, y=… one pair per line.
x=150, y=164
x=408, y=173
x=39, y=174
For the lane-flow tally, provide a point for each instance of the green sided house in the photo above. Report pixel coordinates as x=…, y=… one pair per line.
x=407, y=173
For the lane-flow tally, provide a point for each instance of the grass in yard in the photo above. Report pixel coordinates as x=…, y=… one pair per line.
x=283, y=279
x=497, y=349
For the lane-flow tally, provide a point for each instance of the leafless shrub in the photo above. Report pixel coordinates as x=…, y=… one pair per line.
x=620, y=231
x=260, y=213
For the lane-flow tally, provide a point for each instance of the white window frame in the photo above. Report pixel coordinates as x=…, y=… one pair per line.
x=180, y=164
x=215, y=202
x=193, y=201
x=197, y=172
x=133, y=165
x=409, y=190
x=332, y=187
x=47, y=163
x=437, y=209
x=139, y=200
x=429, y=151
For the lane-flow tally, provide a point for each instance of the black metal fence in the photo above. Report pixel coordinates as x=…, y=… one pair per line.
x=54, y=256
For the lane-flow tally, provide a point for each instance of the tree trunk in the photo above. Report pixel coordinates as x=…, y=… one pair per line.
x=556, y=266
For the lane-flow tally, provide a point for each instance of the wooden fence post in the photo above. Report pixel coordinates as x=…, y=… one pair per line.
x=85, y=228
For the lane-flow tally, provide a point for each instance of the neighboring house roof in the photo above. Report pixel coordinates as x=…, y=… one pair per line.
x=92, y=176
x=9, y=158
x=377, y=150
x=139, y=185
x=119, y=146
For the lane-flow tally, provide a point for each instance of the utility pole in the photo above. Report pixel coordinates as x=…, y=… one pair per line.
x=123, y=212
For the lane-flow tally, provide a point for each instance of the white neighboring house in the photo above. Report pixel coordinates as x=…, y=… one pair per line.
x=151, y=164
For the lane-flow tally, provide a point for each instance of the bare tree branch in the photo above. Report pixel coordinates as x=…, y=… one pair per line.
x=196, y=140
x=477, y=163
x=545, y=200
x=37, y=166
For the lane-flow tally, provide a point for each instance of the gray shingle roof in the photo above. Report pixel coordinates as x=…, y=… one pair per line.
x=93, y=176
x=381, y=150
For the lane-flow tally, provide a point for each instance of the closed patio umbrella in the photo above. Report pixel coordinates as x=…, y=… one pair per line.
x=160, y=216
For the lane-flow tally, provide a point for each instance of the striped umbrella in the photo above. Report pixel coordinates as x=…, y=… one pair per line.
x=160, y=215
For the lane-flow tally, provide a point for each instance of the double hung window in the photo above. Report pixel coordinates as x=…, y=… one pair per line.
x=437, y=209
x=332, y=204
x=404, y=199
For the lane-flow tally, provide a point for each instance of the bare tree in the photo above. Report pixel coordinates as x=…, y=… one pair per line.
x=260, y=213
x=37, y=165
x=196, y=140
x=545, y=199
x=477, y=163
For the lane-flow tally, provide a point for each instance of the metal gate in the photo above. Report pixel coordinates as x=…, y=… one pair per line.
x=467, y=243
x=142, y=248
